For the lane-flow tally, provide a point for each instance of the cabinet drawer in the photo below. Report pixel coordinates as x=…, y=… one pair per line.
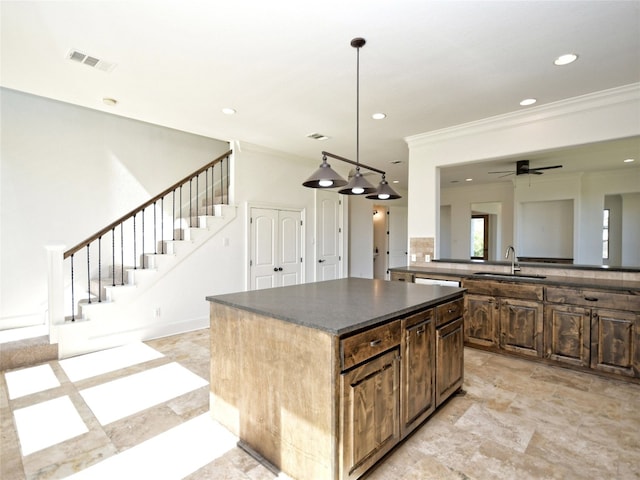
x=510, y=289
x=360, y=347
x=449, y=311
x=402, y=277
x=593, y=298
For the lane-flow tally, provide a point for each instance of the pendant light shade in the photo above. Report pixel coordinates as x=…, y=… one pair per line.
x=325, y=177
x=358, y=185
x=384, y=192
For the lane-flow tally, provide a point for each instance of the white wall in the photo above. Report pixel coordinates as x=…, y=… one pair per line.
x=631, y=229
x=68, y=171
x=591, y=118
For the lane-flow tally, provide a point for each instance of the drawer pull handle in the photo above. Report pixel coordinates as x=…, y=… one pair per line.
x=420, y=332
x=374, y=343
x=591, y=299
x=451, y=310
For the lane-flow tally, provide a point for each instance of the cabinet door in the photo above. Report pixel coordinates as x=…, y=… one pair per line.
x=615, y=337
x=521, y=327
x=567, y=334
x=449, y=359
x=480, y=324
x=370, y=420
x=418, y=369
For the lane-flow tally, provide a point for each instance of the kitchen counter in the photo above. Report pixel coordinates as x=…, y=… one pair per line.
x=629, y=286
x=322, y=380
x=339, y=307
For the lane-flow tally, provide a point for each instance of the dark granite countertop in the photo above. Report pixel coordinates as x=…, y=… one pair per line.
x=578, y=282
x=340, y=307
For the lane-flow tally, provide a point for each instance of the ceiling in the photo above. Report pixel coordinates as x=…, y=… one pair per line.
x=288, y=69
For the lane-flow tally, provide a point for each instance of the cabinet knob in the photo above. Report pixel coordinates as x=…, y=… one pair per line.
x=275, y=269
x=591, y=299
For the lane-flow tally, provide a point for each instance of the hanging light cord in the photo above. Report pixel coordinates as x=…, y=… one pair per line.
x=358, y=107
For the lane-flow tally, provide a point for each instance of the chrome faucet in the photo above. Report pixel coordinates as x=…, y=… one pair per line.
x=514, y=260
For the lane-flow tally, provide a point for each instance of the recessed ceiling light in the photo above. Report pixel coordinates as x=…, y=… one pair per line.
x=110, y=102
x=379, y=116
x=468, y=179
x=565, y=59
x=228, y=111
x=396, y=181
x=629, y=160
x=528, y=101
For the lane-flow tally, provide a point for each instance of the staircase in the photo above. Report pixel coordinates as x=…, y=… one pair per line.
x=120, y=285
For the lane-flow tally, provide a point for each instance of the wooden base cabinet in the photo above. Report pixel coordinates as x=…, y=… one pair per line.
x=370, y=413
x=615, y=342
x=568, y=334
x=450, y=359
x=480, y=327
x=594, y=328
x=521, y=327
x=418, y=369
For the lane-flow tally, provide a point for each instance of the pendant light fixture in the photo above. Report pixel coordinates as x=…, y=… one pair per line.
x=326, y=177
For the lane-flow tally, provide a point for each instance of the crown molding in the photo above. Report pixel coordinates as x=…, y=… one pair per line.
x=569, y=106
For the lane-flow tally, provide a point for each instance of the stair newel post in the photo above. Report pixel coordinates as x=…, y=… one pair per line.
x=197, y=194
x=142, y=254
x=213, y=187
x=135, y=263
x=162, y=250
x=100, y=269
x=73, y=297
x=227, y=181
x=113, y=256
x=173, y=217
x=206, y=191
x=155, y=228
x=55, y=289
x=88, y=274
x=122, y=252
x=180, y=212
x=190, y=198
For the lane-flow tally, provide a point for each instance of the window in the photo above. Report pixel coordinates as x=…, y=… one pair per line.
x=480, y=237
x=605, y=234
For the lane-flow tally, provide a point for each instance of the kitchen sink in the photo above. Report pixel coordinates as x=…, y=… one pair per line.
x=509, y=275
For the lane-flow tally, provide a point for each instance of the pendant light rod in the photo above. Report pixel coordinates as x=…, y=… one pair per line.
x=358, y=43
x=337, y=157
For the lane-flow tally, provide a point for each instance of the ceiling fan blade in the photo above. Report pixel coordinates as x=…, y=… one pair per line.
x=531, y=170
x=510, y=173
x=503, y=171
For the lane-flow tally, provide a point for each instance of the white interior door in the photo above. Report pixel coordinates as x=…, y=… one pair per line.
x=398, y=240
x=328, y=235
x=275, y=250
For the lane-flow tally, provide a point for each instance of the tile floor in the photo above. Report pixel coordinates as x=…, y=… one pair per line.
x=140, y=411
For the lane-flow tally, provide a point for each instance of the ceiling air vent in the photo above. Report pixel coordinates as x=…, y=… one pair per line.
x=79, y=57
x=317, y=136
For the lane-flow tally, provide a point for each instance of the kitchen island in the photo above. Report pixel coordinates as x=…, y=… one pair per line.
x=323, y=379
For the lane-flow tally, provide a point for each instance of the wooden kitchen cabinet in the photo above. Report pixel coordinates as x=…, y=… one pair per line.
x=449, y=360
x=504, y=316
x=418, y=369
x=594, y=328
x=480, y=325
x=568, y=334
x=325, y=393
x=521, y=327
x=371, y=413
x=615, y=342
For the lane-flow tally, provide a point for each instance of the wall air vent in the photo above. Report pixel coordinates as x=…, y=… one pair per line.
x=317, y=136
x=80, y=57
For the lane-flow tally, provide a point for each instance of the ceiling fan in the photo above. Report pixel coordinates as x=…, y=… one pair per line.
x=522, y=168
